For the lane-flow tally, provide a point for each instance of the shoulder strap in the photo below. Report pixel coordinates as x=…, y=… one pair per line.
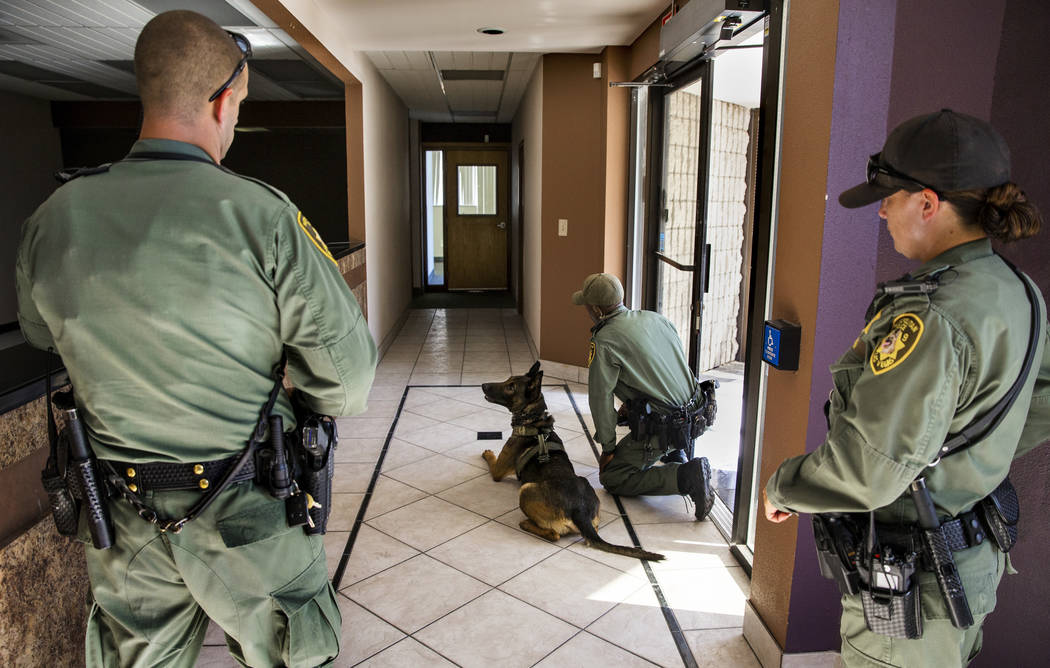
x=974, y=432
x=67, y=174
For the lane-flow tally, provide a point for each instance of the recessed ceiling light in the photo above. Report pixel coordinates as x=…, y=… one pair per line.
x=491, y=31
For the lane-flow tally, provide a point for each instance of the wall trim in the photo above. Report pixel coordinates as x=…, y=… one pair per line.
x=769, y=654
x=391, y=335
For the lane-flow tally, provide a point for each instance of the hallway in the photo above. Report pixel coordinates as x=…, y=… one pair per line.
x=438, y=572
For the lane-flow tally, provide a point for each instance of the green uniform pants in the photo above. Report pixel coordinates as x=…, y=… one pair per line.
x=941, y=644
x=239, y=563
x=631, y=472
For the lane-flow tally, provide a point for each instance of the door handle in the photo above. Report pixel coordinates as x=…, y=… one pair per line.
x=501, y=225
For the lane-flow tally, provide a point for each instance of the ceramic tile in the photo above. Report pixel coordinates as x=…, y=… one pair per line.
x=587, y=651
x=714, y=648
x=445, y=409
x=471, y=452
x=688, y=545
x=486, y=419
x=706, y=598
x=421, y=378
x=373, y=552
x=357, y=450
x=334, y=544
x=394, y=366
x=638, y=625
x=483, y=495
x=659, y=509
x=408, y=652
x=492, y=553
x=427, y=522
x=390, y=495
x=362, y=427
x=435, y=474
x=418, y=397
x=615, y=532
x=385, y=392
x=400, y=453
x=363, y=633
x=381, y=408
x=414, y=593
x=572, y=587
x=439, y=437
x=476, y=634
x=216, y=656
x=352, y=478
x=344, y=511
x=578, y=448
x=409, y=422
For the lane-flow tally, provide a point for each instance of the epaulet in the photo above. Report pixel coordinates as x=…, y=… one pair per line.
x=66, y=175
x=277, y=193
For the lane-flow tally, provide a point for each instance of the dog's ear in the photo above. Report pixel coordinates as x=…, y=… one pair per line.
x=534, y=369
x=535, y=381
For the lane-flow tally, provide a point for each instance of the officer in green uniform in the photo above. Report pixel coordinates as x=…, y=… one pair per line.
x=637, y=355
x=925, y=365
x=171, y=287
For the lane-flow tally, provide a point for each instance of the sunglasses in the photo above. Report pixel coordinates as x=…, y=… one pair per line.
x=246, y=52
x=876, y=167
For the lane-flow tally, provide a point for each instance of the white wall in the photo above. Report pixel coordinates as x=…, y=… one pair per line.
x=528, y=127
x=388, y=232
x=31, y=155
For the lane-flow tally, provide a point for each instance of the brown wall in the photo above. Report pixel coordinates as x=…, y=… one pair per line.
x=808, y=84
x=574, y=189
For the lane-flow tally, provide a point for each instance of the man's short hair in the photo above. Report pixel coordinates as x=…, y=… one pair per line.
x=181, y=57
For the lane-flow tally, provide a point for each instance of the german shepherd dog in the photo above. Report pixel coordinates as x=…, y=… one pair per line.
x=555, y=500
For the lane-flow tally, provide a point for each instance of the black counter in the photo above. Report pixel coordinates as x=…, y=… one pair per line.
x=343, y=248
x=24, y=374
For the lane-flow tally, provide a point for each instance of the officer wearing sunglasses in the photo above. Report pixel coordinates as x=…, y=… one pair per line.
x=171, y=288
x=938, y=349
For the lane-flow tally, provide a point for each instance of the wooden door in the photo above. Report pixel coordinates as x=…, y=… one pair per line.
x=476, y=200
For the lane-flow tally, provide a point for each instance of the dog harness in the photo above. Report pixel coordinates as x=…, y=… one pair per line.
x=546, y=439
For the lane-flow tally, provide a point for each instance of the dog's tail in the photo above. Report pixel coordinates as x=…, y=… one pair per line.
x=587, y=530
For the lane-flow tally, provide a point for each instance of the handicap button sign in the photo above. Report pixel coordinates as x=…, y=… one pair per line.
x=771, y=348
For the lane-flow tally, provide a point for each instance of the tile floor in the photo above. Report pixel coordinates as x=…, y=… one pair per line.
x=439, y=574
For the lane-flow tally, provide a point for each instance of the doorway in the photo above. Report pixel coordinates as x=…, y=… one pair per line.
x=698, y=259
x=465, y=221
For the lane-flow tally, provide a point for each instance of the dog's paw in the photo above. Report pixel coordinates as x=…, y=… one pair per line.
x=488, y=455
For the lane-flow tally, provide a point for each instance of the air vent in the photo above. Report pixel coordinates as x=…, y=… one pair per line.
x=472, y=75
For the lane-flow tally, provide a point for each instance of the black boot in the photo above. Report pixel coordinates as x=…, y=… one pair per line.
x=674, y=457
x=694, y=480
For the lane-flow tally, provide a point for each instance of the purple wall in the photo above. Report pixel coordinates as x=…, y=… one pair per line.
x=896, y=60
x=1018, y=632
x=862, y=75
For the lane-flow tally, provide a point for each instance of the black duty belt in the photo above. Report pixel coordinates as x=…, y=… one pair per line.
x=158, y=476
x=963, y=532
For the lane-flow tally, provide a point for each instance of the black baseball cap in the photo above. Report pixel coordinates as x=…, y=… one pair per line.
x=944, y=151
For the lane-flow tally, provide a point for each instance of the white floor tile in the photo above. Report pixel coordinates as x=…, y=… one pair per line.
x=440, y=437
x=414, y=593
x=476, y=635
x=427, y=522
x=483, y=495
x=373, y=552
x=408, y=652
x=715, y=648
x=492, y=553
x=435, y=474
x=587, y=651
x=390, y=495
x=363, y=633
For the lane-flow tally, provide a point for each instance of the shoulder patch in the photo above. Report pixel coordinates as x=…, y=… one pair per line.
x=898, y=344
x=590, y=354
x=314, y=236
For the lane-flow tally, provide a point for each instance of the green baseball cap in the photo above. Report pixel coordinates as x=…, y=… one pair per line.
x=599, y=290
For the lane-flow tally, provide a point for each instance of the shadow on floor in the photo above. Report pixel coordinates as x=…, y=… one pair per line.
x=487, y=299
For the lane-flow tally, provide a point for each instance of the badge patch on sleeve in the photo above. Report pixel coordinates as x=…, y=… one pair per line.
x=898, y=344
x=590, y=354
x=314, y=236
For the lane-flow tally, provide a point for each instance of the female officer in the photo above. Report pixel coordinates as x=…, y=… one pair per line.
x=928, y=362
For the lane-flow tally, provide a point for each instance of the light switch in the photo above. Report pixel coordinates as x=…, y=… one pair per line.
x=563, y=227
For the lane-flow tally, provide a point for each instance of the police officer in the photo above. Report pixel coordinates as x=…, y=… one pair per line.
x=637, y=356
x=171, y=287
x=925, y=365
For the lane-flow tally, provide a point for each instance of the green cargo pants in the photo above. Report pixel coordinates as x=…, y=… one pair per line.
x=631, y=471
x=239, y=563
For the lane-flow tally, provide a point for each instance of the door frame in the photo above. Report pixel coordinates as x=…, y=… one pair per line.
x=455, y=146
x=701, y=71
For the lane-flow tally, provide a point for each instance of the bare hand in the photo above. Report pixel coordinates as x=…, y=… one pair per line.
x=604, y=460
x=774, y=514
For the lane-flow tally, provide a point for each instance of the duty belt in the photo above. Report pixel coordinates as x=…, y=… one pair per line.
x=960, y=533
x=160, y=476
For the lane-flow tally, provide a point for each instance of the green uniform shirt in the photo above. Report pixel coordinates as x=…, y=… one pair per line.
x=170, y=289
x=632, y=353
x=923, y=368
